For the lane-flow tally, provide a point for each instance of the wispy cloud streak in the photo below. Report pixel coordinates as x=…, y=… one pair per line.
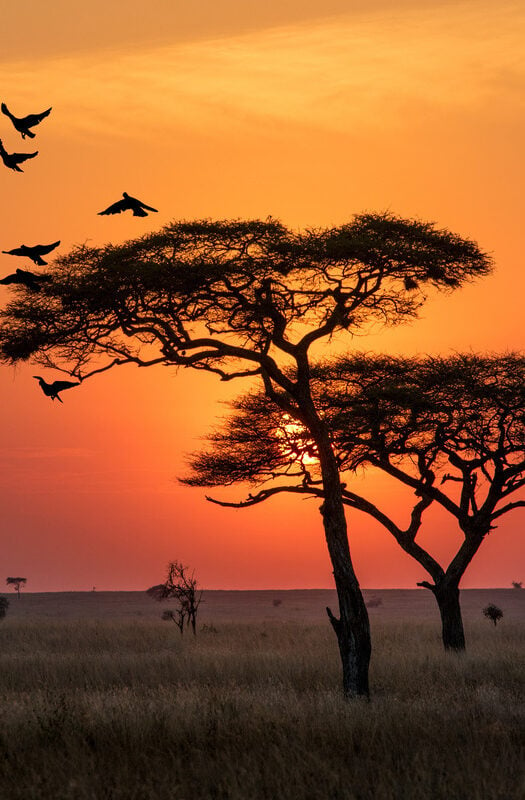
x=353, y=71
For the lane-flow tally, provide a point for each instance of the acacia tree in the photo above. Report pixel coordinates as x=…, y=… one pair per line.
x=459, y=419
x=244, y=299
x=16, y=583
x=453, y=430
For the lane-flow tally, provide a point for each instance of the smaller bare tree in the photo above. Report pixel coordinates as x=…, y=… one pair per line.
x=4, y=605
x=493, y=613
x=517, y=584
x=17, y=583
x=177, y=616
x=184, y=589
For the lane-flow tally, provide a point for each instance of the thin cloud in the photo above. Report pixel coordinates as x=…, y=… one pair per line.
x=338, y=74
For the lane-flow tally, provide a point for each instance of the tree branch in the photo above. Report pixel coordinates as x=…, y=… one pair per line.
x=508, y=507
x=265, y=494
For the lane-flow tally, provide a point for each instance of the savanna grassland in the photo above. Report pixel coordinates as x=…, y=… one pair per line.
x=102, y=700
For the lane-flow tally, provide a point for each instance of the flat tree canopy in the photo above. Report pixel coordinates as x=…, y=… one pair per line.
x=205, y=293
x=452, y=429
x=244, y=298
x=416, y=418
x=17, y=583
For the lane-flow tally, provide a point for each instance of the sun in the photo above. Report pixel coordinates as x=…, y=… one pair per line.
x=296, y=444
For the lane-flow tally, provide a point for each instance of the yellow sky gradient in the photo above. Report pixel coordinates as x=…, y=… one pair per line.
x=309, y=112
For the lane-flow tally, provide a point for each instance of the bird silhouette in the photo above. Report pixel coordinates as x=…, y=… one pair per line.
x=12, y=160
x=52, y=389
x=35, y=252
x=25, y=278
x=139, y=209
x=23, y=124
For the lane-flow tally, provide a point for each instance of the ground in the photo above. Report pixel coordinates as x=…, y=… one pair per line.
x=101, y=700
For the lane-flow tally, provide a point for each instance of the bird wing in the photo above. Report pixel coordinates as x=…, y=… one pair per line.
x=148, y=208
x=5, y=110
x=34, y=119
x=20, y=157
x=26, y=275
x=59, y=386
x=17, y=251
x=115, y=208
x=44, y=249
x=9, y=279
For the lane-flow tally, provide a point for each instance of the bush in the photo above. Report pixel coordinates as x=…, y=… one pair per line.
x=493, y=613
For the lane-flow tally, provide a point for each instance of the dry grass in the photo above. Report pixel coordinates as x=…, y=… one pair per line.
x=121, y=709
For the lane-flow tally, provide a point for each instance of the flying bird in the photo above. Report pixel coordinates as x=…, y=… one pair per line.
x=35, y=252
x=12, y=160
x=139, y=209
x=52, y=389
x=23, y=124
x=27, y=279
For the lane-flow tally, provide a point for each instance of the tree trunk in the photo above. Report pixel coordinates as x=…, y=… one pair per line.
x=447, y=596
x=446, y=590
x=352, y=628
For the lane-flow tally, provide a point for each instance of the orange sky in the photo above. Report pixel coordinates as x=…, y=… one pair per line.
x=303, y=110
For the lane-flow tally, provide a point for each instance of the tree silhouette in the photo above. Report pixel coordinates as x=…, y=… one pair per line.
x=184, y=589
x=17, y=583
x=494, y=613
x=178, y=617
x=460, y=420
x=245, y=299
x=451, y=429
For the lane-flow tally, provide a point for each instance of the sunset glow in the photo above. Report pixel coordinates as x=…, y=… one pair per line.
x=306, y=112
x=295, y=443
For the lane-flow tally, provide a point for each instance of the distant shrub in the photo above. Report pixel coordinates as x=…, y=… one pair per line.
x=517, y=584
x=277, y=602
x=4, y=605
x=374, y=602
x=493, y=613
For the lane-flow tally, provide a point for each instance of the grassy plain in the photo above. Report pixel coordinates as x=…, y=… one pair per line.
x=101, y=700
